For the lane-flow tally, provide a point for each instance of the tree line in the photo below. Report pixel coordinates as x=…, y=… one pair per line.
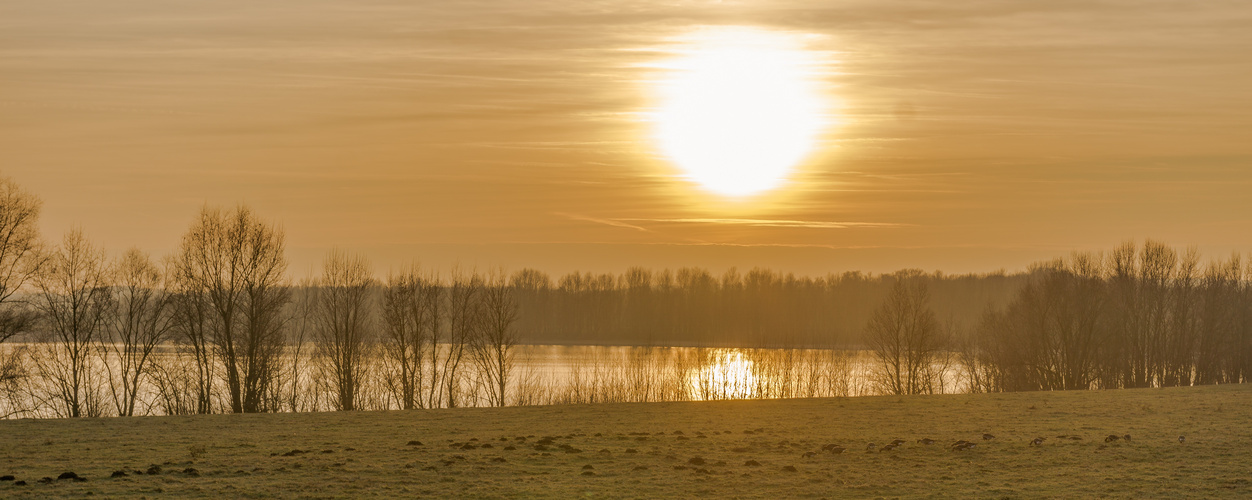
x=218, y=326
x=759, y=308
x=1138, y=316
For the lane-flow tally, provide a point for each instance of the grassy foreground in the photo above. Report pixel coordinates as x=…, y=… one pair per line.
x=647, y=450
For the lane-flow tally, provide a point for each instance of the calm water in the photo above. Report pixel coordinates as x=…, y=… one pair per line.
x=540, y=375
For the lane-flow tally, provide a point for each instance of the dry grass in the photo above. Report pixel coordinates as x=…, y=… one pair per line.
x=366, y=455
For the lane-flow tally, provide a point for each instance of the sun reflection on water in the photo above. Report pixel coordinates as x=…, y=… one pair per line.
x=724, y=374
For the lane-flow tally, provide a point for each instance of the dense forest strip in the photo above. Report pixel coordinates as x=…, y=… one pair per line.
x=757, y=308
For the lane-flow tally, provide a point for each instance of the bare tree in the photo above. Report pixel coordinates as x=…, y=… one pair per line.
x=1157, y=264
x=463, y=302
x=496, y=339
x=405, y=326
x=431, y=300
x=904, y=338
x=75, y=307
x=344, y=325
x=193, y=321
x=976, y=372
x=20, y=260
x=300, y=332
x=1179, y=347
x=230, y=274
x=142, y=320
x=1220, y=315
x=176, y=384
x=20, y=256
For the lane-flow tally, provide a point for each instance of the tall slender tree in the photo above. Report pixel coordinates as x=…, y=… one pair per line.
x=344, y=319
x=904, y=337
x=142, y=319
x=494, y=345
x=230, y=274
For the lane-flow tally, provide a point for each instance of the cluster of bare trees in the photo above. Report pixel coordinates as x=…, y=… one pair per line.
x=442, y=339
x=95, y=326
x=1139, y=316
x=218, y=327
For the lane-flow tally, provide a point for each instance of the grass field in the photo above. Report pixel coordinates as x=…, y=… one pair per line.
x=696, y=449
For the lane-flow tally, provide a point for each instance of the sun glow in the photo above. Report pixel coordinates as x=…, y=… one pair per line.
x=739, y=108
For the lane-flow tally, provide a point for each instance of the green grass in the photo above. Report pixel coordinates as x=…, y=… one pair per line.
x=235, y=455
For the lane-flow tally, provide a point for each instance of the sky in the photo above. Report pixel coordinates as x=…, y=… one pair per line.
x=963, y=136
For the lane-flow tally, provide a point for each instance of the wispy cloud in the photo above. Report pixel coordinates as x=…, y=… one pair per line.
x=770, y=223
x=607, y=222
x=702, y=243
x=638, y=223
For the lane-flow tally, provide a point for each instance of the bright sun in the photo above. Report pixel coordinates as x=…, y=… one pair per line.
x=739, y=108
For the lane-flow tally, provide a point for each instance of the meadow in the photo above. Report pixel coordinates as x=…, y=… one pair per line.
x=725, y=449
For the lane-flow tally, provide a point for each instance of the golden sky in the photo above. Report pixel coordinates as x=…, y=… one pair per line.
x=967, y=136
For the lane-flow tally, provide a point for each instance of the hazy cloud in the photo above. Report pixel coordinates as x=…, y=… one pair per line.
x=961, y=126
